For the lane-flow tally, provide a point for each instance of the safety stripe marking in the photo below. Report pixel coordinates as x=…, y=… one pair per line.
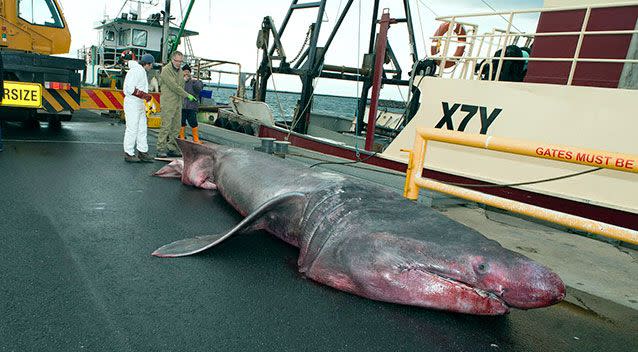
x=95, y=98
x=51, y=100
x=56, y=95
x=113, y=100
x=66, y=99
x=74, y=94
x=100, y=94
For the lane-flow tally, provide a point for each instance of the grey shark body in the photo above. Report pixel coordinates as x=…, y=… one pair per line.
x=363, y=238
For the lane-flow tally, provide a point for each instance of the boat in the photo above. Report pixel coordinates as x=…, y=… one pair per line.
x=130, y=31
x=570, y=81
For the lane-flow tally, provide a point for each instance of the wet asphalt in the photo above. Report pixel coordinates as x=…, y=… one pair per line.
x=78, y=224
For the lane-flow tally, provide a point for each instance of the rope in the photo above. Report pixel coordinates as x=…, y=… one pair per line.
x=394, y=173
x=418, y=11
x=526, y=182
x=501, y=16
x=343, y=162
x=281, y=109
x=429, y=8
x=296, y=120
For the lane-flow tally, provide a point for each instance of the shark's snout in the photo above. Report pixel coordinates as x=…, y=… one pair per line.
x=537, y=287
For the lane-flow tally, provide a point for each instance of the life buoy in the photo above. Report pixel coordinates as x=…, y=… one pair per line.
x=459, y=30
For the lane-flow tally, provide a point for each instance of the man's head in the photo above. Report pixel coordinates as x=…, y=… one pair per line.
x=187, y=72
x=176, y=59
x=147, y=61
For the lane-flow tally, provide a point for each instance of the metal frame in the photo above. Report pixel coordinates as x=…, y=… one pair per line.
x=311, y=63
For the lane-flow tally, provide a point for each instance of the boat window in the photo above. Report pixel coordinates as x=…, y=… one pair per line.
x=109, y=36
x=140, y=37
x=124, y=37
x=40, y=12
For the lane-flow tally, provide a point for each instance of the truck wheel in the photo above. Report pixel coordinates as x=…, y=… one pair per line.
x=54, y=123
x=31, y=124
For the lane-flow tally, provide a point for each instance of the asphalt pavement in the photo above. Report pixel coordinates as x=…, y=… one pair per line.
x=78, y=225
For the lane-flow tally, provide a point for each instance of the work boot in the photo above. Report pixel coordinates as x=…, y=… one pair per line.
x=173, y=154
x=181, y=132
x=131, y=158
x=161, y=155
x=144, y=157
x=196, y=135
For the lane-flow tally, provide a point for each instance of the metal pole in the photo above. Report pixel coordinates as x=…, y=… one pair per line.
x=408, y=16
x=583, y=156
x=283, y=25
x=382, y=41
x=167, y=24
x=581, y=36
x=305, y=103
x=334, y=32
x=367, y=83
x=373, y=27
x=576, y=222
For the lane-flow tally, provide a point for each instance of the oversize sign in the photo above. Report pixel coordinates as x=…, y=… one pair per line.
x=22, y=94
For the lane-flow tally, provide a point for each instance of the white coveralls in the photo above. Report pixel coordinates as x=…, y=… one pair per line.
x=135, y=110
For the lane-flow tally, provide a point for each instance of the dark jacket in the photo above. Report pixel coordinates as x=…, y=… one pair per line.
x=194, y=87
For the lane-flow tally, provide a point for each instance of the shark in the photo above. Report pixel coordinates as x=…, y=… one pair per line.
x=361, y=237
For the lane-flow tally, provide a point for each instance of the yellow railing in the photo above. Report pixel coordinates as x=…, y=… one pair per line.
x=608, y=160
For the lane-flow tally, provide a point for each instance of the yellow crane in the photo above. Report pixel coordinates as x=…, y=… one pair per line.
x=31, y=79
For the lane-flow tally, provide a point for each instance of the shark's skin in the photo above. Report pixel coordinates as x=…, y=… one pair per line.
x=363, y=238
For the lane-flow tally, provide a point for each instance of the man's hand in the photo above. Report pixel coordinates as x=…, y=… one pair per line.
x=191, y=97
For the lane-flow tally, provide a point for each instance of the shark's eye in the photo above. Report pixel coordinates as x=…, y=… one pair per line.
x=482, y=268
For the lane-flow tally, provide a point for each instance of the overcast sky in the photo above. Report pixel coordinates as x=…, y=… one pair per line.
x=228, y=29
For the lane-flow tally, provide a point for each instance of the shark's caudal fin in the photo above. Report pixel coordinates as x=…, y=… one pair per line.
x=253, y=221
x=173, y=170
x=195, y=168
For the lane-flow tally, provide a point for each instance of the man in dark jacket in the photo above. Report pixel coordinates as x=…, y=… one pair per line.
x=189, y=108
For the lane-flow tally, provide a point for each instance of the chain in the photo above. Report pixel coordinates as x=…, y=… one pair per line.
x=303, y=45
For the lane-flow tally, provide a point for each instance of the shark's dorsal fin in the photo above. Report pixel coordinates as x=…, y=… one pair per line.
x=253, y=221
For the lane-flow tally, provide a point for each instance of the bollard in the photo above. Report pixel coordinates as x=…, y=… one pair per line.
x=267, y=145
x=281, y=148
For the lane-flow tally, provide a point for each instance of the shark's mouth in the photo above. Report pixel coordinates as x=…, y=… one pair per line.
x=443, y=292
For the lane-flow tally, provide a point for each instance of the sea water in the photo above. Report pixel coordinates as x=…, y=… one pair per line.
x=283, y=104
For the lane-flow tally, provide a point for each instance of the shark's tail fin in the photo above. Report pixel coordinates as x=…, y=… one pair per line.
x=173, y=170
x=196, y=166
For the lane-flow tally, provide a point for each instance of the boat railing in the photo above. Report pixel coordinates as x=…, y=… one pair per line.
x=480, y=47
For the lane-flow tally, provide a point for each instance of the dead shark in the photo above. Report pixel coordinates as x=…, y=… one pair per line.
x=363, y=238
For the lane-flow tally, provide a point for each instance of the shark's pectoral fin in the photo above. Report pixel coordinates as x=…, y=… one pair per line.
x=255, y=220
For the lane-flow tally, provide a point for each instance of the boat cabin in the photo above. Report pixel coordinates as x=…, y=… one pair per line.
x=128, y=33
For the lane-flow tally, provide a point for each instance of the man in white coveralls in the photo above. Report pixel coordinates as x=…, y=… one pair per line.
x=135, y=93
